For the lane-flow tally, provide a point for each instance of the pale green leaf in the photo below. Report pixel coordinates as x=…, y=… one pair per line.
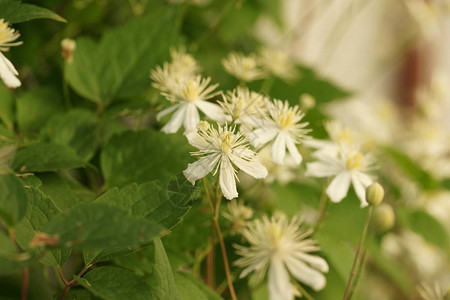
x=16, y=12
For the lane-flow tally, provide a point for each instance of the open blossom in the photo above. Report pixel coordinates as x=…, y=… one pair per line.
x=284, y=128
x=7, y=71
x=244, y=68
x=346, y=166
x=278, y=64
x=188, y=97
x=222, y=150
x=282, y=248
x=245, y=107
x=238, y=214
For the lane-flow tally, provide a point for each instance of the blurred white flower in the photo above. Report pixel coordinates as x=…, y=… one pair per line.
x=246, y=107
x=238, y=214
x=7, y=71
x=279, y=64
x=282, y=173
x=222, y=150
x=190, y=96
x=348, y=166
x=281, y=248
x=426, y=14
x=283, y=126
x=431, y=291
x=244, y=68
x=67, y=48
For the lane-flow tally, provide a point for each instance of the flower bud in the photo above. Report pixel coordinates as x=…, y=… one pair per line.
x=307, y=102
x=67, y=48
x=374, y=194
x=383, y=218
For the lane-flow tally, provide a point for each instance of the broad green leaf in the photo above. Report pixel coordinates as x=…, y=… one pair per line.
x=44, y=157
x=118, y=66
x=190, y=287
x=6, y=107
x=412, y=169
x=99, y=226
x=13, y=199
x=35, y=107
x=76, y=129
x=113, y=283
x=161, y=280
x=149, y=200
x=143, y=156
x=41, y=210
x=80, y=294
x=16, y=12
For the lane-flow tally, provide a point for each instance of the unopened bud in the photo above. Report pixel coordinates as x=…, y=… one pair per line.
x=203, y=126
x=307, y=102
x=374, y=194
x=383, y=218
x=67, y=48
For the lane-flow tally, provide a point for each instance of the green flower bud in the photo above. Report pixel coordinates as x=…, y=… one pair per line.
x=374, y=194
x=383, y=218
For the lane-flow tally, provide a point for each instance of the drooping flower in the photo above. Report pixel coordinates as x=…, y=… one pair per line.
x=282, y=249
x=8, y=36
x=222, y=150
x=278, y=64
x=430, y=291
x=188, y=97
x=244, y=68
x=347, y=166
x=284, y=128
x=246, y=107
x=238, y=214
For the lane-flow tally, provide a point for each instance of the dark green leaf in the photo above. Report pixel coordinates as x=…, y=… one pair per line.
x=44, y=157
x=112, y=283
x=99, y=225
x=16, y=12
x=190, y=287
x=13, y=199
x=119, y=65
x=153, y=155
x=6, y=107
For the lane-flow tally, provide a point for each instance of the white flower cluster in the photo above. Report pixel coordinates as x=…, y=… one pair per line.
x=7, y=39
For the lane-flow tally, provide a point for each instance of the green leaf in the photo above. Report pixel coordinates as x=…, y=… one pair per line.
x=35, y=107
x=113, y=283
x=76, y=129
x=16, y=12
x=41, y=210
x=412, y=169
x=190, y=287
x=153, y=155
x=13, y=199
x=162, y=281
x=44, y=157
x=6, y=107
x=99, y=225
x=149, y=200
x=118, y=66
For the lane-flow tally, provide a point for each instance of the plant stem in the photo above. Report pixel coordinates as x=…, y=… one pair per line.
x=304, y=292
x=25, y=281
x=71, y=283
x=358, y=272
x=357, y=255
x=323, y=204
x=266, y=86
x=210, y=262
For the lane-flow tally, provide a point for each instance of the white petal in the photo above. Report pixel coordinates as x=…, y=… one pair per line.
x=305, y=274
x=212, y=111
x=201, y=167
x=314, y=261
x=252, y=168
x=293, y=150
x=191, y=118
x=279, y=149
x=338, y=187
x=197, y=141
x=8, y=72
x=176, y=120
x=167, y=111
x=227, y=179
x=320, y=169
x=280, y=287
x=261, y=136
x=360, y=182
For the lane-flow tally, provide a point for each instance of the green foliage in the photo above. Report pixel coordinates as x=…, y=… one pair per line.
x=190, y=287
x=118, y=66
x=6, y=107
x=13, y=200
x=15, y=12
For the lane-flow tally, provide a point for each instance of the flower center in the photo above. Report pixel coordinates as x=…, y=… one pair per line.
x=354, y=161
x=287, y=119
x=227, y=141
x=345, y=136
x=191, y=91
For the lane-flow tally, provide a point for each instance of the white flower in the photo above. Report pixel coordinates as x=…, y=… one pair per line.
x=431, y=292
x=282, y=248
x=190, y=96
x=348, y=166
x=284, y=127
x=7, y=71
x=238, y=214
x=246, y=107
x=222, y=150
x=282, y=173
x=278, y=63
x=244, y=68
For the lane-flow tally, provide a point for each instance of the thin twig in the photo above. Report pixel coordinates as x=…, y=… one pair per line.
x=73, y=282
x=25, y=282
x=323, y=204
